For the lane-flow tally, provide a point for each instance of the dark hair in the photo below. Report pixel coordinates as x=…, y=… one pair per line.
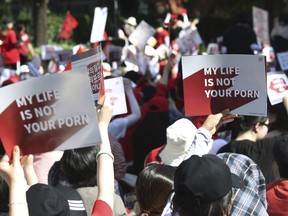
x=21, y=27
x=79, y=166
x=281, y=155
x=216, y=208
x=4, y=195
x=242, y=124
x=153, y=188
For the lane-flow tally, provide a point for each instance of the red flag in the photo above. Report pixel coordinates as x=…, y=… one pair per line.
x=69, y=24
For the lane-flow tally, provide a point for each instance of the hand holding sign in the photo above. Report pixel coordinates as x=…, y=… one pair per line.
x=214, y=122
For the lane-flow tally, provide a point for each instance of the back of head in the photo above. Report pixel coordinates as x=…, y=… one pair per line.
x=153, y=187
x=281, y=155
x=242, y=17
x=79, y=166
x=251, y=198
x=283, y=19
x=203, y=186
x=4, y=195
x=243, y=124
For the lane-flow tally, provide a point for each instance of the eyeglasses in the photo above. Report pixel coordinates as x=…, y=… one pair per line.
x=267, y=125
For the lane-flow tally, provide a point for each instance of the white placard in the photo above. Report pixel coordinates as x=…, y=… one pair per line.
x=53, y=112
x=213, y=83
x=114, y=89
x=283, y=60
x=99, y=23
x=261, y=25
x=277, y=85
x=49, y=51
x=141, y=34
x=189, y=41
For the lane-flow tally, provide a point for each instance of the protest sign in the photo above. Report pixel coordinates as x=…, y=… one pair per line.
x=63, y=56
x=213, y=83
x=90, y=63
x=260, y=25
x=277, y=84
x=99, y=23
x=114, y=53
x=283, y=60
x=49, y=51
x=114, y=89
x=53, y=112
x=141, y=34
x=189, y=41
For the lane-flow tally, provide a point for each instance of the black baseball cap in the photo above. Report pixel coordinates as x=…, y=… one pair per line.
x=7, y=20
x=201, y=180
x=61, y=200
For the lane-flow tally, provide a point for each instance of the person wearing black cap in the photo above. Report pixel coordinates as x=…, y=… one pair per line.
x=203, y=186
x=9, y=45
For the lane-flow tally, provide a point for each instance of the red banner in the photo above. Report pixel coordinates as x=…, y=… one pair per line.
x=69, y=24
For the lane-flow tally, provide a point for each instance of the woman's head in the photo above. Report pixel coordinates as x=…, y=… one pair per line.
x=203, y=186
x=153, y=188
x=257, y=124
x=79, y=166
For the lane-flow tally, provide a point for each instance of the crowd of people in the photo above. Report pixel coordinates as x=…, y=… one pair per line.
x=154, y=160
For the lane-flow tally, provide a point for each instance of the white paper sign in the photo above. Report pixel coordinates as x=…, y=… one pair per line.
x=277, y=84
x=114, y=88
x=260, y=25
x=49, y=51
x=283, y=60
x=141, y=34
x=99, y=23
x=53, y=112
x=63, y=56
x=189, y=41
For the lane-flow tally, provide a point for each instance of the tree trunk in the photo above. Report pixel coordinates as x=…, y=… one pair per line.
x=40, y=8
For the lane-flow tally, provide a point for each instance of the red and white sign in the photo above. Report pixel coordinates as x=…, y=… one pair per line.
x=213, y=83
x=47, y=113
x=114, y=89
x=277, y=84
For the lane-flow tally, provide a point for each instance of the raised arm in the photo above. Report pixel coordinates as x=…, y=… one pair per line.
x=105, y=170
x=202, y=141
x=13, y=174
x=134, y=106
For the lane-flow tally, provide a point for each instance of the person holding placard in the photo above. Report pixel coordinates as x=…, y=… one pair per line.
x=105, y=171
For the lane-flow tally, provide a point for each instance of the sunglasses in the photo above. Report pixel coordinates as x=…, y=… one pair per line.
x=267, y=125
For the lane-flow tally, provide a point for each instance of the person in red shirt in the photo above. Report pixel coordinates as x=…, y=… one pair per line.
x=24, y=44
x=9, y=45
